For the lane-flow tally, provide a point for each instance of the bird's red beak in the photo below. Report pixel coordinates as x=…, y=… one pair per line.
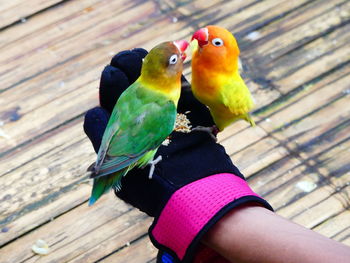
x=181, y=46
x=202, y=36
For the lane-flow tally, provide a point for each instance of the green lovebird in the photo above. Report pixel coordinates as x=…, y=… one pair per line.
x=142, y=118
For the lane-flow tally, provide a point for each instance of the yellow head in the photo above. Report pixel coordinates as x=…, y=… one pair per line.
x=163, y=64
x=217, y=47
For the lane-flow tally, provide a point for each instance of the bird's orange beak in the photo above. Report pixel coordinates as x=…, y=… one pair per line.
x=202, y=36
x=181, y=46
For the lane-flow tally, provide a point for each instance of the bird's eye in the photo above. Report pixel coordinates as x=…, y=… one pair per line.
x=218, y=42
x=173, y=59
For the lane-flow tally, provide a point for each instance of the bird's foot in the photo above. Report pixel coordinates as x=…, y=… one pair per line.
x=153, y=165
x=117, y=186
x=212, y=131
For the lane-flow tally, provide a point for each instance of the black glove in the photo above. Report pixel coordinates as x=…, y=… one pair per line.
x=194, y=170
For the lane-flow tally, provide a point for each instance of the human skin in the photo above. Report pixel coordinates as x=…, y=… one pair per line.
x=255, y=234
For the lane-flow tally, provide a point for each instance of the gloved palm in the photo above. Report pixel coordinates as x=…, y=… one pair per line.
x=188, y=157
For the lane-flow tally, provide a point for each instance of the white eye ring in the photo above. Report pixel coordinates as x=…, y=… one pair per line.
x=173, y=59
x=218, y=42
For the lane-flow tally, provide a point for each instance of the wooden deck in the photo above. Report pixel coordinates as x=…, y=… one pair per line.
x=296, y=56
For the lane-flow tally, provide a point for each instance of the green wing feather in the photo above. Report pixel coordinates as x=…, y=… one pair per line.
x=140, y=122
x=236, y=102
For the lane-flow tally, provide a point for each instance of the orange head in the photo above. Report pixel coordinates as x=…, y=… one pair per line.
x=217, y=48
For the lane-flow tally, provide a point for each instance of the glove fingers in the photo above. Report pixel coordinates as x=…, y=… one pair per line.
x=125, y=68
x=129, y=62
x=199, y=114
x=140, y=51
x=112, y=84
x=196, y=112
x=95, y=123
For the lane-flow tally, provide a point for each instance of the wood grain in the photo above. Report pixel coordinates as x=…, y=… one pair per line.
x=334, y=227
x=296, y=62
x=104, y=220
x=18, y=10
x=141, y=251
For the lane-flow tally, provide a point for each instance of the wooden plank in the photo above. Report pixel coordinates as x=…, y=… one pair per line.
x=314, y=52
x=29, y=163
x=323, y=123
x=297, y=29
x=296, y=19
x=141, y=250
x=67, y=10
x=256, y=156
x=334, y=162
x=239, y=16
x=300, y=91
x=343, y=236
x=46, y=176
x=42, y=213
x=242, y=136
x=278, y=181
x=308, y=58
x=93, y=29
x=292, y=185
x=110, y=216
x=312, y=71
x=60, y=138
x=312, y=116
x=305, y=183
x=294, y=176
x=320, y=129
x=289, y=180
x=36, y=167
x=63, y=144
x=75, y=24
x=251, y=149
x=318, y=206
x=47, y=116
x=118, y=243
x=80, y=74
x=337, y=228
x=13, y=11
x=22, y=224
x=113, y=235
x=200, y=11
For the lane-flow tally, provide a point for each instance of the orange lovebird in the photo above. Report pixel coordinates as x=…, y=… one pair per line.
x=216, y=81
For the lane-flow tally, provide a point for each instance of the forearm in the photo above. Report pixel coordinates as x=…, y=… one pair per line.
x=255, y=234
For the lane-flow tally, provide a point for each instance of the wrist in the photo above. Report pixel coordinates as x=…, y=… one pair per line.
x=193, y=209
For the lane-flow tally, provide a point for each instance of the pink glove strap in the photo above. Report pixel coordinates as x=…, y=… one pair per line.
x=191, y=207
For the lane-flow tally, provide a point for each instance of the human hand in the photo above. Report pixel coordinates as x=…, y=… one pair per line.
x=195, y=178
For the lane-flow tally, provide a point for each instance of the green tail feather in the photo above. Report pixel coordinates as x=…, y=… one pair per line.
x=249, y=119
x=103, y=184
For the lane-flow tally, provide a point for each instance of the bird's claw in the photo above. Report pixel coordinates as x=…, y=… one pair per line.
x=153, y=165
